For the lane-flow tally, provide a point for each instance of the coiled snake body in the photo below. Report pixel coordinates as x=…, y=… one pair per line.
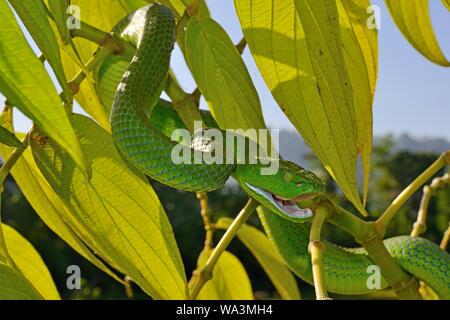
x=141, y=124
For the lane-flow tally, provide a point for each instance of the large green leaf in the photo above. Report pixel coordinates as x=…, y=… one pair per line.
x=222, y=76
x=229, y=282
x=111, y=12
x=266, y=254
x=117, y=207
x=413, y=20
x=299, y=49
x=34, y=16
x=360, y=46
x=13, y=286
x=48, y=206
x=29, y=262
x=26, y=84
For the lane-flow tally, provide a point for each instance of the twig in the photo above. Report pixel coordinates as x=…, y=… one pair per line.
x=445, y=239
x=101, y=55
x=204, y=212
x=420, y=225
x=317, y=247
x=9, y=164
x=104, y=39
x=200, y=277
x=393, y=208
x=367, y=234
x=186, y=105
x=241, y=45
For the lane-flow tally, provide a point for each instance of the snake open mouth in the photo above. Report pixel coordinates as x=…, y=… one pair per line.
x=287, y=206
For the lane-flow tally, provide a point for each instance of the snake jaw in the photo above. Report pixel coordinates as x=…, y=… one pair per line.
x=287, y=207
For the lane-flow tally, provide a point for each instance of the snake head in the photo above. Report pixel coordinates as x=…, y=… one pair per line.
x=281, y=191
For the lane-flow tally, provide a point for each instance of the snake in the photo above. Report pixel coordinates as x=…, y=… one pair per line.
x=141, y=125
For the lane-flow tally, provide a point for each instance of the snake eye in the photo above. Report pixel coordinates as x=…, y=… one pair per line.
x=299, y=184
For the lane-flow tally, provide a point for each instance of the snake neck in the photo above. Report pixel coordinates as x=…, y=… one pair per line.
x=145, y=147
x=147, y=72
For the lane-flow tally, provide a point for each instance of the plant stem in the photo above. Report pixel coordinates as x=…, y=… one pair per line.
x=104, y=39
x=445, y=239
x=241, y=45
x=367, y=234
x=204, y=212
x=393, y=208
x=405, y=286
x=186, y=105
x=317, y=247
x=99, y=56
x=205, y=273
x=7, y=166
x=420, y=225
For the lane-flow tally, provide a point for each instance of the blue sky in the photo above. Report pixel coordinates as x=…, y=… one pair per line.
x=413, y=94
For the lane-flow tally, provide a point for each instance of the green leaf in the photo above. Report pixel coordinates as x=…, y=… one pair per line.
x=29, y=262
x=8, y=138
x=117, y=207
x=111, y=12
x=50, y=208
x=413, y=20
x=222, y=76
x=298, y=48
x=13, y=286
x=267, y=256
x=34, y=16
x=361, y=56
x=26, y=84
x=59, y=8
x=229, y=282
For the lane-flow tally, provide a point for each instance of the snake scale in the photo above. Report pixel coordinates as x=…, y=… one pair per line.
x=141, y=124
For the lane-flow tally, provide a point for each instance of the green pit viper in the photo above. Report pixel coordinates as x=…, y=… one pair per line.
x=141, y=125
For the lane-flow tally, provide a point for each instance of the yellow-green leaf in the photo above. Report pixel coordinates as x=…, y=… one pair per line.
x=34, y=16
x=118, y=208
x=26, y=84
x=13, y=286
x=413, y=20
x=298, y=48
x=222, y=76
x=360, y=45
x=29, y=263
x=46, y=203
x=229, y=282
x=267, y=256
x=50, y=208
